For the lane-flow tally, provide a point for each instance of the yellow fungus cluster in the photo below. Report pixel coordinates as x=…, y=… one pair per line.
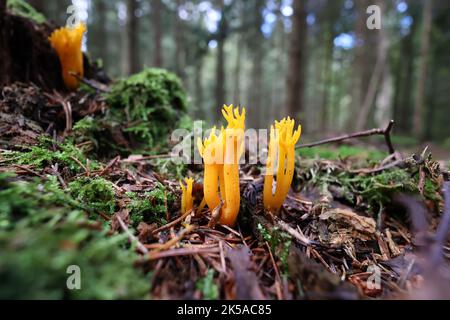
x=187, y=201
x=221, y=154
x=67, y=43
x=282, y=143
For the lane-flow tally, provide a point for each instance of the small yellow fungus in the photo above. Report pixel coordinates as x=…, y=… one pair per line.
x=67, y=43
x=221, y=155
x=187, y=201
x=282, y=142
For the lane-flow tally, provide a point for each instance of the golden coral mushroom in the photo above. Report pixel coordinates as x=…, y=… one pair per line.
x=282, y=143
x=221, y=155
x=67, y=43
x=187, y=201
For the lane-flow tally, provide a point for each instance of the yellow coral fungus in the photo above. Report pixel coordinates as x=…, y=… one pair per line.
x=282, y=142
x=221, y=156
x=67, y=43
x=187, y=201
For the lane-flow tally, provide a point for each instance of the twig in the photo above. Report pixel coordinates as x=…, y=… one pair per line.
x=277, y=274
x=111, y=164
x=173, y=223
x=132, y=238
x=373, y=132
x=182, y=252
x=300, y=237
x=173, y=241
x=30, y=171
x=91, y=83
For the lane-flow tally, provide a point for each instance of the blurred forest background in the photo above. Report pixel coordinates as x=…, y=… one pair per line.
x=312, y=59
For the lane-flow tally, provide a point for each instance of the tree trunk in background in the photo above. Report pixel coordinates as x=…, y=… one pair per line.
x=330, y=19
x=257, y=55
x=180, y=51
x=158, y=33
x=296, y=73
x=377, y=74
x=278, y=87
x=423, y=68
x=430, y=112
x=237, y=74
x=4, y=59
x=132, y=30
x=360, y=79
x=98, y=41
x=199, y=88
x=404, y=88
x=220, y=64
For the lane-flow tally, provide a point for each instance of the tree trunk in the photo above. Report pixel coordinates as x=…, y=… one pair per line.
x=132, y=30
x=237, y=74
x=377, y=75
x=158, y=32
x=257, y=56
x=180, y=52
x=4, y=51
x=199, y=88
x=423, y=68
x=296, y=72
x=220, y=64
x=98, y=42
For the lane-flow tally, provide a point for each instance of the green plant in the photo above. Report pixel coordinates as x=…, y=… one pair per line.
x=97, y=194
x=151, y=206
x=65, y=154
x=279, y=242
x=43, y=232
x=149, y=103
x=23, y=9
x=208, y=288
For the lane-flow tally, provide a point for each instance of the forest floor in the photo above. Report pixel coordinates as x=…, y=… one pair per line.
x=354, y=214
x=85, y=181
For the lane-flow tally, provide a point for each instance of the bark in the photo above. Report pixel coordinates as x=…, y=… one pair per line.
x=419, y=111
x=220, y=64
x=377, y=75
x=180, y=45
x=98, y=43
x=199, y=88
x=4, y=57
x=296, y=73
x=257, y=56
x=237, y=74
x=132, y=31
x=158, y=32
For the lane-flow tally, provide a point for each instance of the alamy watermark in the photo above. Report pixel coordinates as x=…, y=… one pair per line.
x=73, y=281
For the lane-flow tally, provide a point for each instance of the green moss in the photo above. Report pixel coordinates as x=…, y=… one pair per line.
x=342, y=152
x=373, y=191
x=148, y=104
x=208, y=288
x=66, y=154
x=23, y=9
x=279, y=243
x=97, y=194
x=43, y=232
x=151, y=206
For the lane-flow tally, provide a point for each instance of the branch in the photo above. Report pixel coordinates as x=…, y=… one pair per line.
x=373, y=132
x=132, y=238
